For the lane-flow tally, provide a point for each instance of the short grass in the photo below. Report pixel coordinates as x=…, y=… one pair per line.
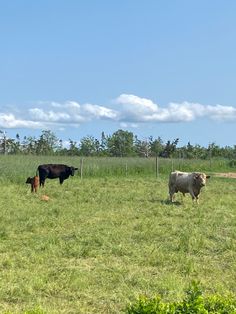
x=98, y=243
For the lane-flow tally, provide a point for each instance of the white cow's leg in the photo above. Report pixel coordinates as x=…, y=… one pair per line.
x=171, y=192
x=192, y=194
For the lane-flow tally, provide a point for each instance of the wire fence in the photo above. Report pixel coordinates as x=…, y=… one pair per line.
x=95, y=167
x=17, y=168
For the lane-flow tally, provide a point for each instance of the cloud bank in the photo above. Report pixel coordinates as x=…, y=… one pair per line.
x=128, y=110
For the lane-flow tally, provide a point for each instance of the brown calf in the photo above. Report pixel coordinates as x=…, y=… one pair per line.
x=34, y=181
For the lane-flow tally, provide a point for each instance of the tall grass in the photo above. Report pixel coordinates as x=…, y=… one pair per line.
x=19, y=167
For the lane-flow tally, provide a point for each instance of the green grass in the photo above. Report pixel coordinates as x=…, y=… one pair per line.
x=17, y=168
x=99, y=243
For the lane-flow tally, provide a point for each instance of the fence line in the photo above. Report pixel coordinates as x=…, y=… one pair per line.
x=15, y=167
x=81, y=168
x=106, y=166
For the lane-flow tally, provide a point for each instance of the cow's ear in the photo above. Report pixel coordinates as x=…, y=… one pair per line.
x=76, y=168
x=208, y=177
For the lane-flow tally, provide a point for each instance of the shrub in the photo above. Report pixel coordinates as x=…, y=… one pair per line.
x=232, y=163
x=193, y=303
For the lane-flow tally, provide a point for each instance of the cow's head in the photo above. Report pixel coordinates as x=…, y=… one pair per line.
x=200, y=179
x=29, y=180
x=72, y=171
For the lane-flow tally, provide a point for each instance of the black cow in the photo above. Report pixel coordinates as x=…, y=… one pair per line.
x=52, y=171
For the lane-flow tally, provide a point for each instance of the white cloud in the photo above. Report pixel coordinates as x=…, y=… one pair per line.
x=48, y=116
x=72, y=112
x=138, y=109
x=9, y=121
x=100, y=112
x=134, y=103
x=220, y=112
x=129, y=112
x=72, y=106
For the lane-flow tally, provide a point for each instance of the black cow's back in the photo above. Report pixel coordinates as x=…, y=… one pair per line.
x=52, y=171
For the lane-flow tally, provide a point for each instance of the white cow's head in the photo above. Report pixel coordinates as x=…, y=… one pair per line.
x=200, y=179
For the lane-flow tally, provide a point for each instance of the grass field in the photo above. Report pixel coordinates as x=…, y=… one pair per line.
x=100, y=242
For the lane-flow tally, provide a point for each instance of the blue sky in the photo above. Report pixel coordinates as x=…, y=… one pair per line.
x=153, y=67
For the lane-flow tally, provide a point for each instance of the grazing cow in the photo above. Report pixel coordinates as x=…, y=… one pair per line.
x=186, y=182
x=52, y=171
x=34, y=181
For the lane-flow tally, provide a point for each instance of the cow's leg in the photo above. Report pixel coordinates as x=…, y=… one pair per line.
x=35, y=188
x=36, y=183
x=171, y=193
x=192, y=194
x=61, y=180
x=42, y=181
x=197, y=198
x=42, y=177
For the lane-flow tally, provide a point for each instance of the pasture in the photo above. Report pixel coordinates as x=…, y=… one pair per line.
x=100, y=242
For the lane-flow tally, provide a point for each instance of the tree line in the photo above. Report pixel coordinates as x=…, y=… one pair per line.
x=120, y=144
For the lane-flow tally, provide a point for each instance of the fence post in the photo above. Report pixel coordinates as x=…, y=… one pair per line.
x=210, y=156
x=81, y=168
x=157, y=166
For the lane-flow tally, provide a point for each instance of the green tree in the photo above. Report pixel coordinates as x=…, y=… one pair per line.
x=142, y=148
x=121, y=144
x=214, y=150
x=156, y=145
x=89, y=146
x=17, y=145
x=103, y=145
x=47, y=143
x=169, y=148
x=73, y=148
x=29, y=145
x=3, y=142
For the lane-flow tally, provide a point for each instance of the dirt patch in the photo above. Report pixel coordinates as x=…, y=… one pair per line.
x=226, y=174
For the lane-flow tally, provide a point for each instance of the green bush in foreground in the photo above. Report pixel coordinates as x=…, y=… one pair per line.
x=193, y=303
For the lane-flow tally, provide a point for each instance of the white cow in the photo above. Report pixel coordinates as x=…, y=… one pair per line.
x=186, y=182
